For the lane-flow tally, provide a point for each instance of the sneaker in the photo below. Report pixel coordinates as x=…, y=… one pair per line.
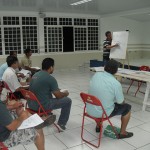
x=61, y=127
x=50, y=120
x=127, y=135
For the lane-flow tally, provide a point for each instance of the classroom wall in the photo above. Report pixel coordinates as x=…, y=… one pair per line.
x=63, y=60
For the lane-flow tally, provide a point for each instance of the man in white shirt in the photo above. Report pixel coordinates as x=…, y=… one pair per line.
x=10, y=76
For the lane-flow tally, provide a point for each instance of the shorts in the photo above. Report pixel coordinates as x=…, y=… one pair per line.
x=24, y=137
x=121, y=109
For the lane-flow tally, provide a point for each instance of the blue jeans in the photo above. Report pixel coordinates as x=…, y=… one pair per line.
x=64, y=104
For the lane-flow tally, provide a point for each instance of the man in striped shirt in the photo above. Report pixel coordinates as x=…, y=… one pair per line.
x=107, y=46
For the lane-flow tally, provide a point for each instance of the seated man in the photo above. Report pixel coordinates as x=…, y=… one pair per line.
x=10, y=121
x=4, y=66
x=10, y=76
x=26, y=62
x=104, y=86
x=43, y=85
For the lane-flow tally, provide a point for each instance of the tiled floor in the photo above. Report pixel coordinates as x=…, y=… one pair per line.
x=77, y=80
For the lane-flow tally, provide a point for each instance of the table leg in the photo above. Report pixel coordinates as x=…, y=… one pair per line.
x=146, y=96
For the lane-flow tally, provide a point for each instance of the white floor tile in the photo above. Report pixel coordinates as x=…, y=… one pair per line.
x=147, y=147
x=141, y=115
x=112, y=144
x=145, y=126
x=139, y=139
x=76, y=121
x=80, y=147
x=19, y=147
x=72, y=138
x=53, y=143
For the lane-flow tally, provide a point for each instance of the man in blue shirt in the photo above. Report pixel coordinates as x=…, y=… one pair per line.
x=4, y=66
x=104, y=86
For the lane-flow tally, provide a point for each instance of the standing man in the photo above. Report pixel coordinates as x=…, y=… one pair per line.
x=107, y=47
x=43, y=85
x=104, y=86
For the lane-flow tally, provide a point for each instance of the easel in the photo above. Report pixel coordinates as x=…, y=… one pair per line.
x=123, y=60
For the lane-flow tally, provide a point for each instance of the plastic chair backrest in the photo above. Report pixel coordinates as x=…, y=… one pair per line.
x=144, y=68
x=87, y=98
x=2, y=146
x=28, y=95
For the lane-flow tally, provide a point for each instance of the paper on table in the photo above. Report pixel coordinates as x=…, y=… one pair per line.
x=36, y=68
x=97, y=69
x=25, y=72
x=30, y=122
x=126, y=71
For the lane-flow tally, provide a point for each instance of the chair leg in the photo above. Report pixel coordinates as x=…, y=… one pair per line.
x=139, y=85
x=82, y=133
x=130, y=86
x=57, y=127
x=113, y=129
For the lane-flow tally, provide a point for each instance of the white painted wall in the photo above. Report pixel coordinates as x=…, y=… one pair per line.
x=121, y=24
x=146, y=33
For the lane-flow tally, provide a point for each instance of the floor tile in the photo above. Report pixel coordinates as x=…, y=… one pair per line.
x=76, y=121
x=19, y=147
x=139, y=139
x=80, y=147
x=141, y=115
x=112, y=144
x=73, y=137
x=147, y=147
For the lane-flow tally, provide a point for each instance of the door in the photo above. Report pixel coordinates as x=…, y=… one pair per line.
x=68, y=44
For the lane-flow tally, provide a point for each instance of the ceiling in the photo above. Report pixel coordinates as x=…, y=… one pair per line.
x=132, y=9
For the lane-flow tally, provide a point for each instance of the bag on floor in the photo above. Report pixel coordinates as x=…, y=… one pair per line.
x=109, y=132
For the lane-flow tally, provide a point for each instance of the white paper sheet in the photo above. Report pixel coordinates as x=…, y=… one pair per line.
x=30, y=122
x=25, y=72
x=36, y=68
x=97, y=69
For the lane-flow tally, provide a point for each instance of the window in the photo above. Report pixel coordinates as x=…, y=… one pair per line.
x=29, y=21
x=80, y=39
x=54, y=37
x=65, y=21
x=0, y=42
x=45, y=38
x=11, y=20
x=50, y=21
x=12, y=39
x=29, y=32
x=92, y=22
x=79, y=22
x=92, y=38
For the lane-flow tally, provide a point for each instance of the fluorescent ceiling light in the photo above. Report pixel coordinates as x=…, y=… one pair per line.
x=80, y=2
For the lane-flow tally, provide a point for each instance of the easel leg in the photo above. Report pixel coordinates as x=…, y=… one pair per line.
x=146, y=96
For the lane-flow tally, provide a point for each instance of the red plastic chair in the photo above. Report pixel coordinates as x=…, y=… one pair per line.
x=10, y=94
x=28, y=95
x=142, y=68
x=94, y=101
x=2, y=146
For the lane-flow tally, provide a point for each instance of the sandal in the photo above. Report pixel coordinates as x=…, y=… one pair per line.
x=127, y=135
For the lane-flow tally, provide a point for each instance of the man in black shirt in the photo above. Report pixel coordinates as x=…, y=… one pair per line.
x=107, y=46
